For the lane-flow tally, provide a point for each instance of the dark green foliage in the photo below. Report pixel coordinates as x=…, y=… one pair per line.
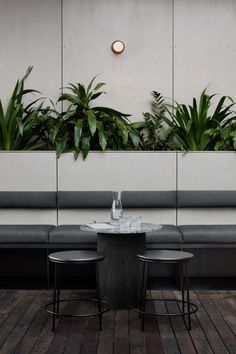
x=156, y=133
x=82, y=128
x=195, y=128
x=18, y=122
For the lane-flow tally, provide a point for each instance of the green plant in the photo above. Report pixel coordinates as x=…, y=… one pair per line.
x=82, y=128
x=225, y=137
x=18, y=122
x=194, y=127
x=155, y=133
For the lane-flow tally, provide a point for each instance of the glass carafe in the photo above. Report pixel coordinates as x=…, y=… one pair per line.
x=116, y=208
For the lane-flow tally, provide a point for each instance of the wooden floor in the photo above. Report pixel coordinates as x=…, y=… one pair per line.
x=26, y=328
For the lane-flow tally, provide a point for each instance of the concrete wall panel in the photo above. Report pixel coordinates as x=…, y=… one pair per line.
x=146, y=64
x=30, y=34
x=28, y=171
x=205, y=48
x=118, y=171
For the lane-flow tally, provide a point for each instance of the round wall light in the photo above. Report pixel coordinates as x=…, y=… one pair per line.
x=117, y=47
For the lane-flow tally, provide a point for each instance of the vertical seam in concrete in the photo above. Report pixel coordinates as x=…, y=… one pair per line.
x=173, y=51
x=62, y=51
x=57, y=185
x=173, y=98
x=177, y=187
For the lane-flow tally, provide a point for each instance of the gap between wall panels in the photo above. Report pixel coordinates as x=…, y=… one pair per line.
x=62, y=52
x=173, y=52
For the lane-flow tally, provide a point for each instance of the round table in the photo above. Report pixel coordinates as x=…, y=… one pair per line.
x=120, y=272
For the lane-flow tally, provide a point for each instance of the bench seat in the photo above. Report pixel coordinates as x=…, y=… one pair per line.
x=25, y=234
x=208, y=234
x=72, y=234
x=168, y=234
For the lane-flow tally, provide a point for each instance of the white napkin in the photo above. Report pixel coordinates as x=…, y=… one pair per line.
x=100, y=226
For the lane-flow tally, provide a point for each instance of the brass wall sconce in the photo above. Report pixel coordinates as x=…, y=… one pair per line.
x=117, y=47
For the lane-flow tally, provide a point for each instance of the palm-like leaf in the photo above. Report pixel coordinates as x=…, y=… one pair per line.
x=193, y=125
x=17, y=123
x=90, y=127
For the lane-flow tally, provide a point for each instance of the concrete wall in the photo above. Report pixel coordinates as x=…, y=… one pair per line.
x=177, y=47
x=40, y=171
x=117, y=171
x=28, y=171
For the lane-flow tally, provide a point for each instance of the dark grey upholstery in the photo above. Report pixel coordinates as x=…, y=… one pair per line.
x=103, y=199
x=84, y=199
x=208, y=233
x=25, y=233
x=28, y=199
x=167, y=234
x=149, y=199
x=206, y=199
x=71, y=234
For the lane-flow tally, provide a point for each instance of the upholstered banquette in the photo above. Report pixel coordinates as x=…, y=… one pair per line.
x=195, y=219
x=192, y=206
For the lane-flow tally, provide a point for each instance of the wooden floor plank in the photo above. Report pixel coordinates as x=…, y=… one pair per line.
x=198, y=336
x=24, y=324
x=182, y=335
x=90, y=337
x=225, y=304
x=106, y=336
x=26, y=328
x=221, y=326
x=167, y=334
x=207, y=326
x=121, y=332
x=153, y=343
x=46, y=338
x=20, y=306
x=137, y=337
x=7, y=301
x=39, y=321
x=63, y=324
x=78, y=326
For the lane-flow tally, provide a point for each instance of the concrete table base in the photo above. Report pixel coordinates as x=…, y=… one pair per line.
x=120, y=273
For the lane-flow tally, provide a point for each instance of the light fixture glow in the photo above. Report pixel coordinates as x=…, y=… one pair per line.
x=117, y=47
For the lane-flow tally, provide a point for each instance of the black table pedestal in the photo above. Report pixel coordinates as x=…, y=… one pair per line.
x=120, y=272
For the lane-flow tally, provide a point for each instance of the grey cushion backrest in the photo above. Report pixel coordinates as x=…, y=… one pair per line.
x=206, y=199
x=103, y=199
x=28, y=199
x=84, y=199
x=149, y=199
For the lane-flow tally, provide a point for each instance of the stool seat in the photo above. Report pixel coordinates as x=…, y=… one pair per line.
x=179, y=258
x=75, y=257
x=165, y=256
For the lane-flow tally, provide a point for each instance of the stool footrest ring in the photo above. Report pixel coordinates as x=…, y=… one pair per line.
x=180, y=313
x=51, y=312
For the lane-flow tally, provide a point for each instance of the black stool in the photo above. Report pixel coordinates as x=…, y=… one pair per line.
x=74, y=257
x=174, y=257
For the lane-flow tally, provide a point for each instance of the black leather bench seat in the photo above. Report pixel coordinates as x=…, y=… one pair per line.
x=71, y=234
x=167, y=234
x=24, y=234
x=218, y=234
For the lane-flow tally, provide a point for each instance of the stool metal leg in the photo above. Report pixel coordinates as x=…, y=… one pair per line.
x=48, y=272
x=188, y=300
x=98, y=297
x=144, y=286
x=54, y=296
x=58, y=288
x=181, y=266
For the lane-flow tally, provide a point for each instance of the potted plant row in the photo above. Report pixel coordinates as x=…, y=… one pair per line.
x=83, y=126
